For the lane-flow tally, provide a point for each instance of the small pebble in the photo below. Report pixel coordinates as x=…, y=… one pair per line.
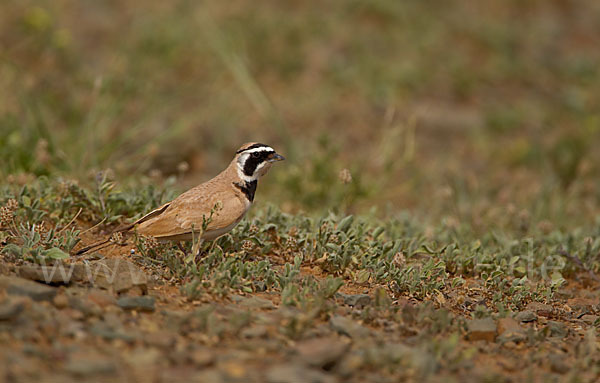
x=60, y=301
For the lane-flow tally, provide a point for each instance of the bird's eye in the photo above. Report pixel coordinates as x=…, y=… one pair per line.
x=255, y=155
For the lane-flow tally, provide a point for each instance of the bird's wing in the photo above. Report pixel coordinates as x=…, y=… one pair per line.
x=187, y=212
x=154, y=213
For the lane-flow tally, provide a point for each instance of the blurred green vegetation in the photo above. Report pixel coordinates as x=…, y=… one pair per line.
x=486, y=114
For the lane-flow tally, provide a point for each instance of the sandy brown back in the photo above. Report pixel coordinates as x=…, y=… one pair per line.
x=178, y=217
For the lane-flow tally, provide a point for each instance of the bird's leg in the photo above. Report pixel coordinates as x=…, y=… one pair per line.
x=180, y=246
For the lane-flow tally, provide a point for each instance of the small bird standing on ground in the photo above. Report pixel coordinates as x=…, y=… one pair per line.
x=210, y=209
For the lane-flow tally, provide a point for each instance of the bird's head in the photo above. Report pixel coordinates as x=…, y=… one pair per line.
x=254, y=160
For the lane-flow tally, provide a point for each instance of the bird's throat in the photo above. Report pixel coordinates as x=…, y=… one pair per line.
x=248, y=188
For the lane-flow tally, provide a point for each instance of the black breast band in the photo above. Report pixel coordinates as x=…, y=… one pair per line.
x=248, y=188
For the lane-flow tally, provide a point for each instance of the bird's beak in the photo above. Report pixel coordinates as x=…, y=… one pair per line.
x=275, y=157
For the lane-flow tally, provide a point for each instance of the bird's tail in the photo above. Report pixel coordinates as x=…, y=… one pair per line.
x=104, y=242
x=148, y=216
x=92, y=246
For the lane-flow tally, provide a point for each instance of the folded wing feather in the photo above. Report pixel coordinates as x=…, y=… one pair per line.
x=187, y=213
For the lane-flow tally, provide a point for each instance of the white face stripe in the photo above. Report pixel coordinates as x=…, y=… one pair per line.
x=260, y=149
x=244, y=177
x=259, y=167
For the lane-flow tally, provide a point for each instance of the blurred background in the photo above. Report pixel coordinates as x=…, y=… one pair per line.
x=484, y=113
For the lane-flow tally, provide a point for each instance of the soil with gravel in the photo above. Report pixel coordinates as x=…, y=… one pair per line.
x=110, y=320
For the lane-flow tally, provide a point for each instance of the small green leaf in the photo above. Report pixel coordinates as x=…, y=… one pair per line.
x=378, y=232
x=396, y=247
x=557, y=279
x=429, y=250
x=346, y=223
x=363, y=276
x=13, y=249
x=333, y=247
x=247, y=289
x=55, y=253
x=26, y=201
x=521, y=269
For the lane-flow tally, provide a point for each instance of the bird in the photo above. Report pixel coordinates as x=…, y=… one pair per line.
x=210, y=209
